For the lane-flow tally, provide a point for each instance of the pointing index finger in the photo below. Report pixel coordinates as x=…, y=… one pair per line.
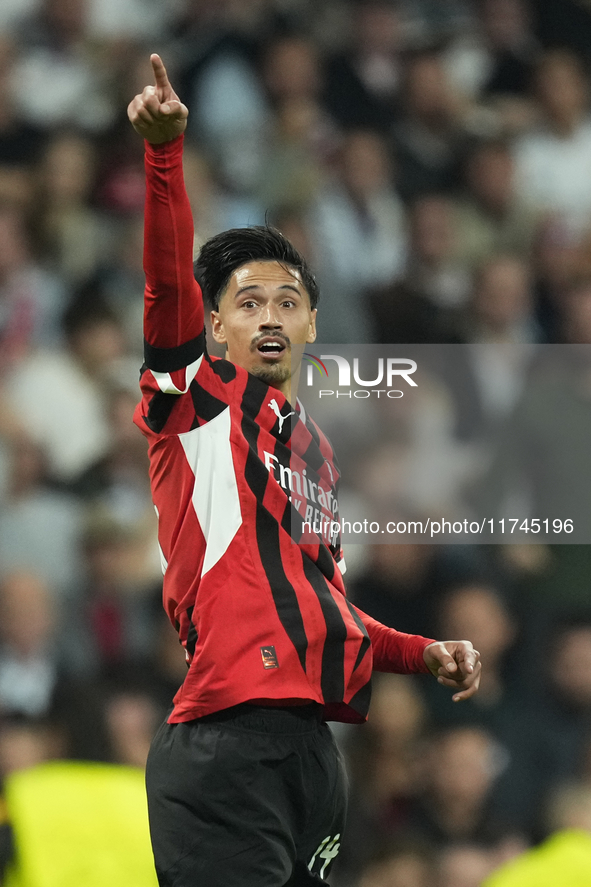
x=160, y=75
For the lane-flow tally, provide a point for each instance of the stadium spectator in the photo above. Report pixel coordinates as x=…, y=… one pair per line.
x=403, y=583
x=429, y=22
x=457, y=795
x=500, y=310
x=358, y=226
x=492, y=63
x=132, y=717
x=423, y=305
x=114, y=613
x=28, y=660
x=31, y=297
x=560, y=260
x=71, y=234
x=488, y=218
x=26, y=742
x=552, y=161
x=20, y=142
x=57, y=79
x=433, y=268
x=399, y=867
x=576, y=314
x=563, y=703
x=118, y=480
x=386, y=771
x=362, y=82
x=59, y=394
x=39, y=524
x=464, y=865
x=477, y=610
x=428, y=136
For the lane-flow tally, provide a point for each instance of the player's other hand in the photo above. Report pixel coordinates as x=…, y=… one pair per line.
x=158, y=114
x=455, y=664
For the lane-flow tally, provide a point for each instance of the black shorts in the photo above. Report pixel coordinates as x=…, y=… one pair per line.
x=247, y=797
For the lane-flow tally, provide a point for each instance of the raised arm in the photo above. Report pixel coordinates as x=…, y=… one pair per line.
x=173, y=306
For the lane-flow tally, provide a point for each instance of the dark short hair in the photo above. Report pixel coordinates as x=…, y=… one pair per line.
x=222, y=254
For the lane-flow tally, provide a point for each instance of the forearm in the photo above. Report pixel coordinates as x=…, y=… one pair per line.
x=395, y=651
x=173, y=306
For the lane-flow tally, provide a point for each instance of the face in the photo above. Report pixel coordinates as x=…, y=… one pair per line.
x=502, y=296
x=432, y=229
x=572, y=671
x=365, y=164
x=475, y=612
x=490, y=175
x=562, y=88
x=463, y=764
x=264, y=312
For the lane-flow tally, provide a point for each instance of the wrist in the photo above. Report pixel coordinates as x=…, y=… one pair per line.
x=422, y=663
x=159, y=148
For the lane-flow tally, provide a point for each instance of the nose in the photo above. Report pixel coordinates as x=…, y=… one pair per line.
x=270, y=319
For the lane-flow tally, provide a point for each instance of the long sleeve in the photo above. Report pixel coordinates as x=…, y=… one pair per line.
x=395, y=651
x=173, y=304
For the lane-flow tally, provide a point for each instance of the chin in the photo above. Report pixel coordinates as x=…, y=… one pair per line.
x=272, y=374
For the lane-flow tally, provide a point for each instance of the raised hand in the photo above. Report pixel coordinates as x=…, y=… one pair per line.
x=158, y=114
x=455, y=664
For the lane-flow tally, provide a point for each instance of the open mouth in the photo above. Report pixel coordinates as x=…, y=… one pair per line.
x=271, y=348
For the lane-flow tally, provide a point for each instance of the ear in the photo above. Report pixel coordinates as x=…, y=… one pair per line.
x=311, y=337
x=217, y=328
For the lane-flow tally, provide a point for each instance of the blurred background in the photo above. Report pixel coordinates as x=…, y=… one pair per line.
x=432, y=160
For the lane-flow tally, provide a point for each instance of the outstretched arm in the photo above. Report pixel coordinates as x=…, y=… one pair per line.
x=173, y=306
x=455, y=664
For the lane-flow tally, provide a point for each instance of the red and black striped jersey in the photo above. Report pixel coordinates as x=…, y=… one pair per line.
x=234, y=469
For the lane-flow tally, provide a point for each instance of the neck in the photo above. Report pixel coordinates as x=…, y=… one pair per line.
x=289, y=388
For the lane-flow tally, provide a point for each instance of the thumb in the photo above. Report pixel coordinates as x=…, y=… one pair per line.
x=174, y=108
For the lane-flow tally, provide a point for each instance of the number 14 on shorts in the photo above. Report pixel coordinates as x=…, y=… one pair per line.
x=326, y=852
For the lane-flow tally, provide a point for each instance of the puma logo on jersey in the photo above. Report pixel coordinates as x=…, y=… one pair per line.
x=275, y=407
x=269, y=657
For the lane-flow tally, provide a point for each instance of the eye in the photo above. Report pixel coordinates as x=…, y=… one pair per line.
x=249, y=303
x=288, y=303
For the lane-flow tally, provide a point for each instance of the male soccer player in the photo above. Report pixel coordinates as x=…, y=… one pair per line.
x=245, y=785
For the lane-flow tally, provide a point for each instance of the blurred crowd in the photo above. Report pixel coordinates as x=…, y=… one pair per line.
x=432, y=160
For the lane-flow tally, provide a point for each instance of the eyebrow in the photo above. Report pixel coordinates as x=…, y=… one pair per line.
x=256, y=286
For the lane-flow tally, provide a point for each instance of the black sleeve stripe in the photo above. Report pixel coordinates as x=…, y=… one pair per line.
x=360, y=702
x=206, y=405
x=365, y=643
x=224, y=369
x=168, y=360
x=159, y=411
